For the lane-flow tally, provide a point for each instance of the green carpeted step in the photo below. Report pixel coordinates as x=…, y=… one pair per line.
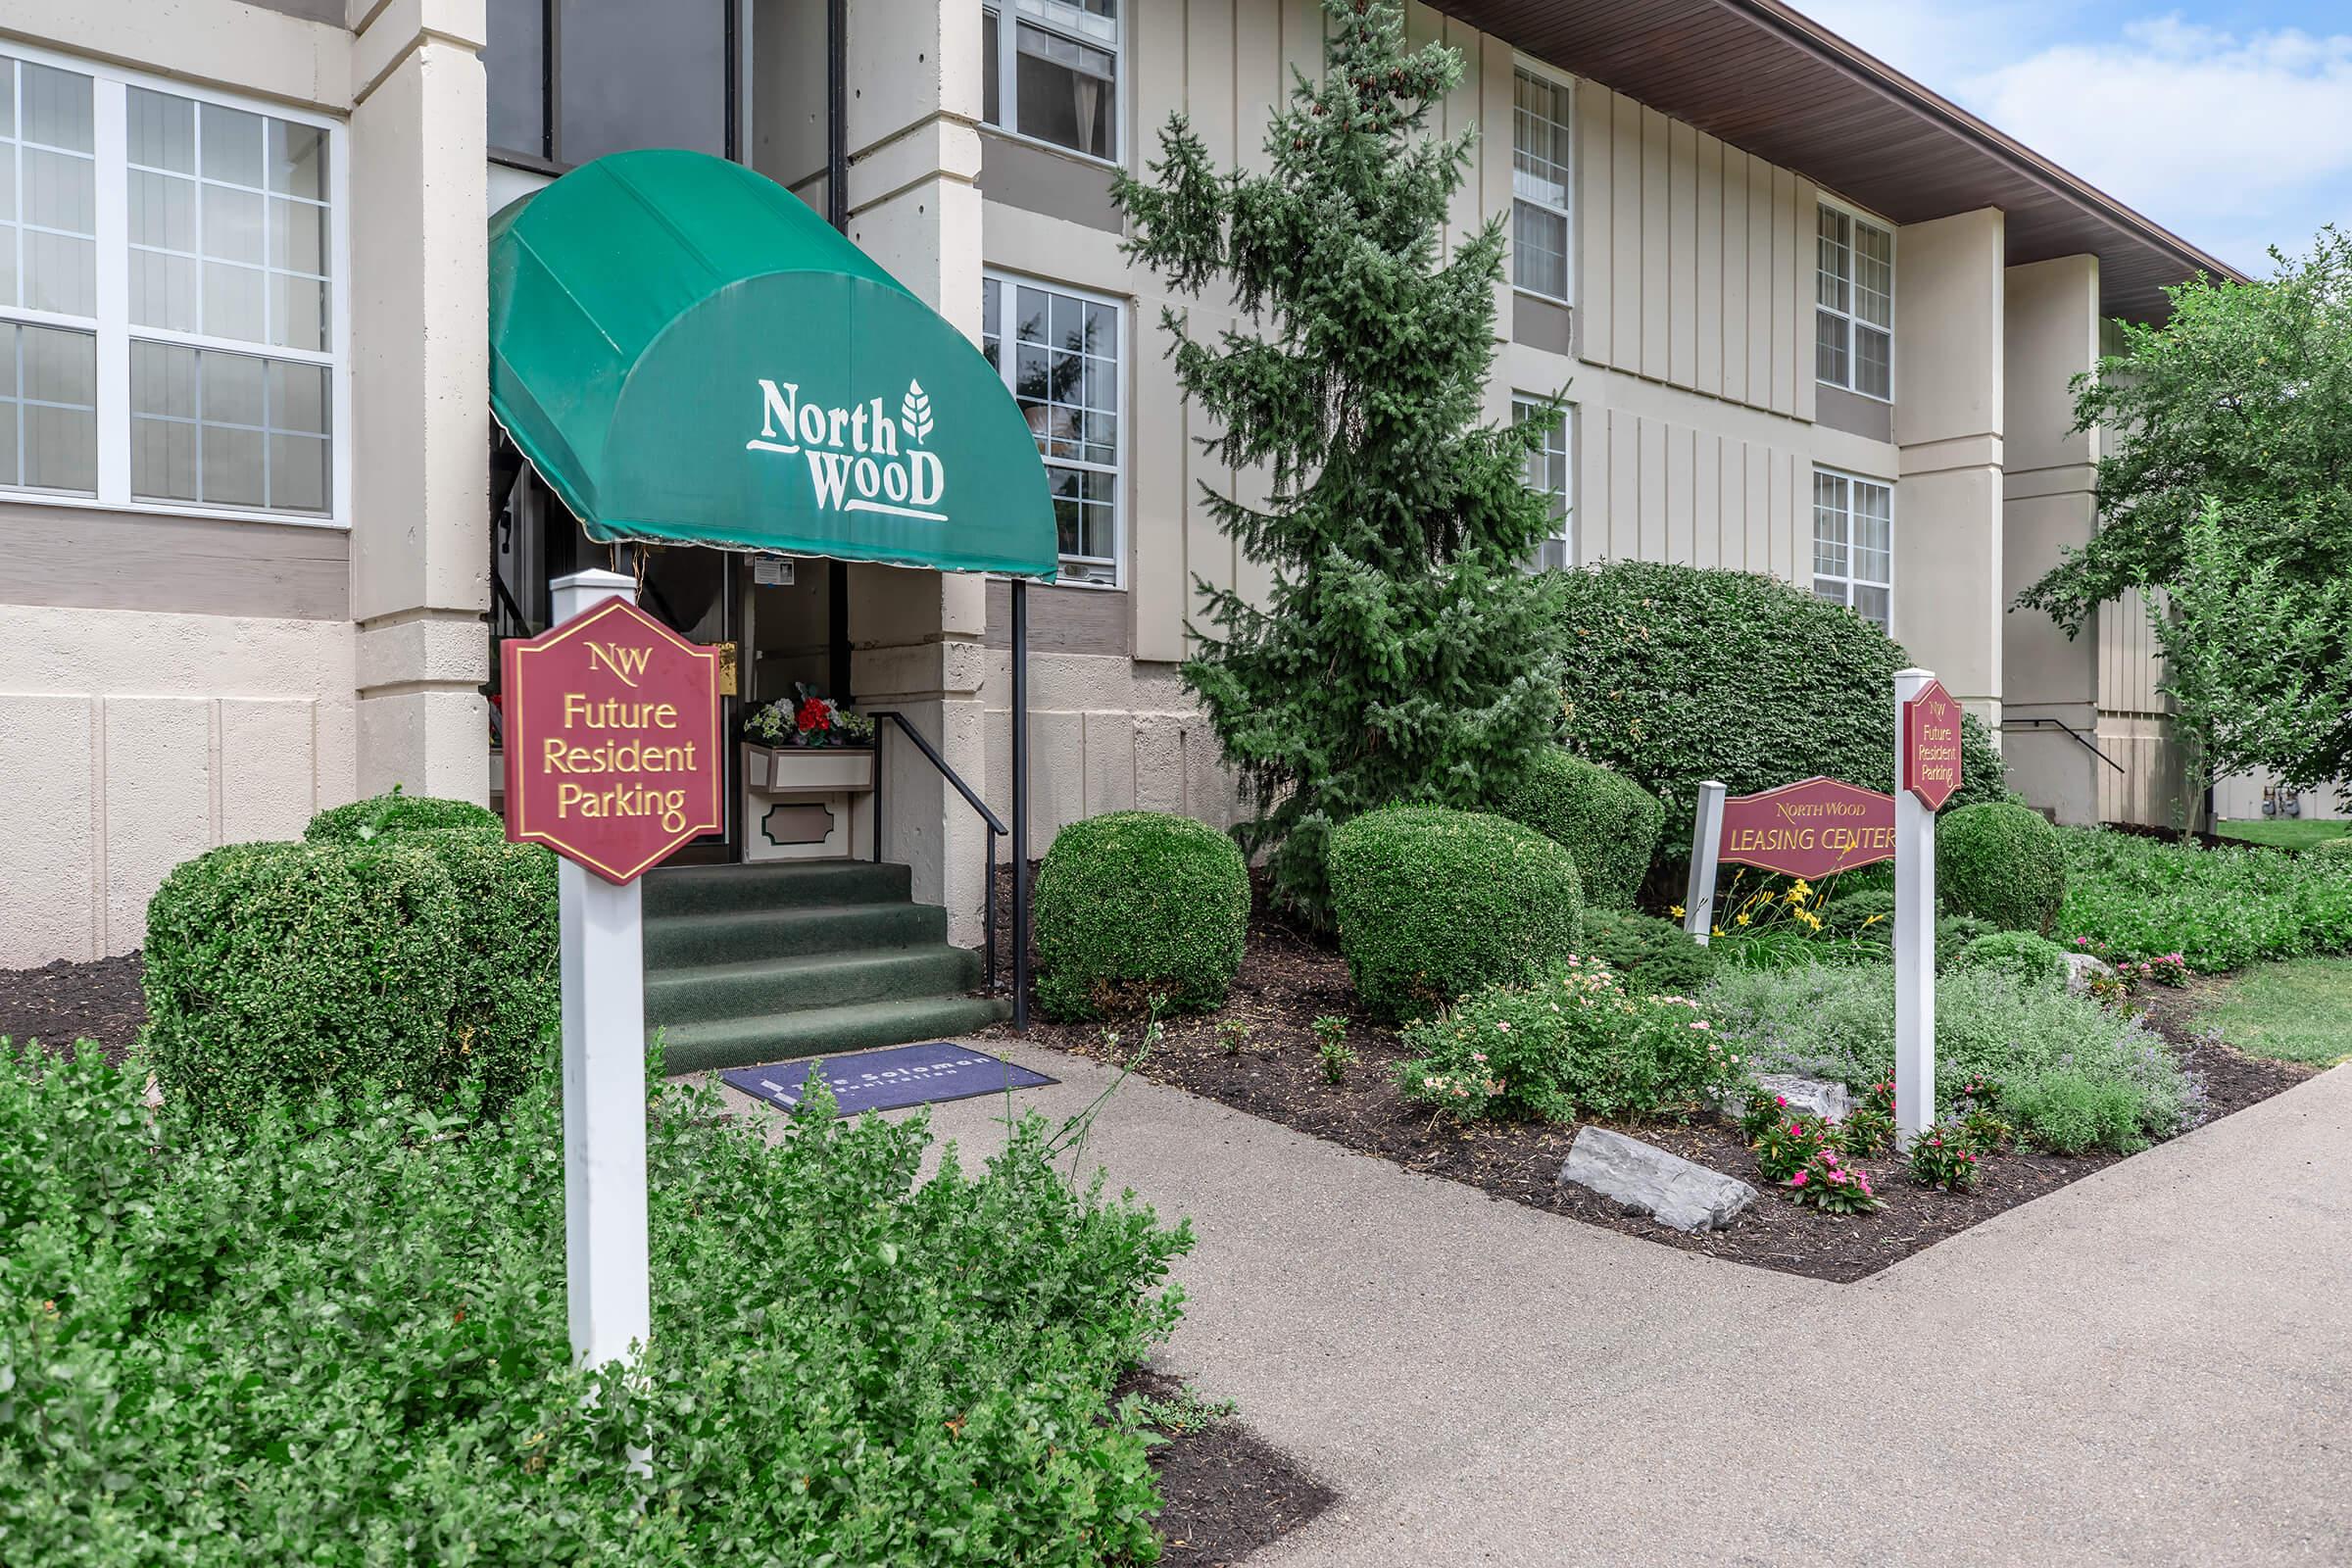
x=706, y=993
x=819, y=1030
x=676, y=940
x=774, y=885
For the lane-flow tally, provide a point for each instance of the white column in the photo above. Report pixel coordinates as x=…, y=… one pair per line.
x=607, y=1271
x=1706, y=843
x=1914, y=938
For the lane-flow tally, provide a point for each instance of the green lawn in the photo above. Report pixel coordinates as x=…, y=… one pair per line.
x=2283, y=833
x=2299, y=1011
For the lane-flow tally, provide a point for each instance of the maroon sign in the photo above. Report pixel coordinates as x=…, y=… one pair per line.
x=1813, y=828
x=1932, y=745
x=611, y=740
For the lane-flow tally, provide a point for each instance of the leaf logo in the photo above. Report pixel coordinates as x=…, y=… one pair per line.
x=916, y=410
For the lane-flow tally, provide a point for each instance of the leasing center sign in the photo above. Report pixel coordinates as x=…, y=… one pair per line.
x=611, y=740
x=1812, y=828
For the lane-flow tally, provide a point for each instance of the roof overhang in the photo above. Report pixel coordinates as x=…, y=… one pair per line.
x=688, y=354
x=1782, y=87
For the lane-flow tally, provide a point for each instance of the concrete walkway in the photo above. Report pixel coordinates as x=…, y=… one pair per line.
x=2152, y=1366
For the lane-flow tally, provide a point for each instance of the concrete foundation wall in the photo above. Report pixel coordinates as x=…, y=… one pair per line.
x=132, y=741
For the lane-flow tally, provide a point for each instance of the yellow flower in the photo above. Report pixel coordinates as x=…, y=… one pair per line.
x=1873, y=921
x=1678, y=911
x=1742, y=919
x=1719, y=930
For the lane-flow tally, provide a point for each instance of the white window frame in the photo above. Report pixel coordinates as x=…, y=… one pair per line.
x=1524, y=404
x=1854, y=215
x=113, y=329
x=1007, y=281
x=1005, y=68
x=1848, y=581
x=1566, y=86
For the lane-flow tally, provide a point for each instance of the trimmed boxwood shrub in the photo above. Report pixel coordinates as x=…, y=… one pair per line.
x=384, y=815
x=284, y=968
x=2029, y=958
x=1653, y=956
x=1434, y=904
x=1608, y=823
x=1134, y=905
x=1673, y=674
x=2002, y=862
x=507, y=1009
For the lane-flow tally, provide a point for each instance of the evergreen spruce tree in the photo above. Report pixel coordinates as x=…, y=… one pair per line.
x=1399, y=657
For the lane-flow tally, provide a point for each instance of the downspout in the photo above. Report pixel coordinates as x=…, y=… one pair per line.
x=837, y=212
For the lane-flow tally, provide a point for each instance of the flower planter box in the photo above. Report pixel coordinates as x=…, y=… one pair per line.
x=802, y=769
x=806, y=803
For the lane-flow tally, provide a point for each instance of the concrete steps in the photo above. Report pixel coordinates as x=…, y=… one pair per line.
x=756, y=963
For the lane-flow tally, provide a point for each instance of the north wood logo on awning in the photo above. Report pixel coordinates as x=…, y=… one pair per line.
x=856, y=459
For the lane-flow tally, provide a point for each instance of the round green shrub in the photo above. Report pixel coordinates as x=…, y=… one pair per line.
x=508, y=1008
x=384, y=815
x=1134, y=905
x=1434, y=904
x=1608, y=823
x=1863, y=912
x=2003, y=863
x=2034, y=960
x=1653, y=956
x=285, y=968
x=1673, y=675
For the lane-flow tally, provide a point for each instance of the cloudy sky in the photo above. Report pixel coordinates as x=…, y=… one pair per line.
x=2228, y=122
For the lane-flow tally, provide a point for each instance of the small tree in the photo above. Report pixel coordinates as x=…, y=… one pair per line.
x=1398, y=655
x=2226, y=494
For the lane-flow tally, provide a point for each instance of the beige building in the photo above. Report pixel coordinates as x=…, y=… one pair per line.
x=1813, y=320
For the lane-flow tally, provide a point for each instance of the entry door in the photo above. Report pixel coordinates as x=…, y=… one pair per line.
x=693, y=592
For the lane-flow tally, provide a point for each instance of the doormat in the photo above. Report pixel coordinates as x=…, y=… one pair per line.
x=886, y=1080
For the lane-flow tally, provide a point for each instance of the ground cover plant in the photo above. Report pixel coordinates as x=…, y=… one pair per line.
x=1137, y=905
x=2037, y=1054
x=2024, y=957
x=2215, y=908
x=339, y=1336
x=1434, y=904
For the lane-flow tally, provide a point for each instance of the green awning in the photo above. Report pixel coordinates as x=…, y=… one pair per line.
x=688, y=354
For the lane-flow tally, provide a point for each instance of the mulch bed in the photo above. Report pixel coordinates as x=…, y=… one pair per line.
x=1224, y=1491
x=61, y=1003
x=1287, y=978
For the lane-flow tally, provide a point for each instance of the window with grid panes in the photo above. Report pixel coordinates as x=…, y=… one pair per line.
x=1052, y=71
x=1539, y=187
x=1549, y=475
x=199, y=367
x=1853, y=544
x=1059, y=353
x=1853, y=319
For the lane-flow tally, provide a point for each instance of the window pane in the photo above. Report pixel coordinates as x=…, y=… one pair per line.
x=1064, y=92
x=232, y=224
x=163, y=131
x=297, y=474
x=1874, y=368
x=231, y=386
x=231, y=143
x=297, y=237
x=162, y=291
x=628, y=74
x=1871, y=603
x=232, y=300
x=514, y=64
x=297, y=397
x=1830, y=363
x=61, y=190
x=1833, y=261
x=163, y=380
x=61, y=448
x=991, y=71
x=163, y=459
x=61, y=273
x=1539, y=161
x=163, y=211
x=1873, y=276
x=1540, y=250
x=298, y=160
x=1834, y=592
x=47, y=378
x=296, y=312
x=56, y=111
x=232, y=474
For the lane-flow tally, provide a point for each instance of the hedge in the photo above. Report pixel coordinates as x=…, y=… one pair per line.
x=418, y=959
x=2003, y=863
x=1434, y=904
x=1608, y=823
x=1136, y=905
x=398, y=813
x=1671, y=675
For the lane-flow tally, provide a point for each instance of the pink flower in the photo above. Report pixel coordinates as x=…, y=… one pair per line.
x=1504, y=1027
x=1797, y=1180
x=1836, y=1178
x=1829, y=1156
x=1701, y=1024
x=1779, y=1099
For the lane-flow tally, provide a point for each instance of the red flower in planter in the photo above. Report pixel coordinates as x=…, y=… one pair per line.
x=811, y=715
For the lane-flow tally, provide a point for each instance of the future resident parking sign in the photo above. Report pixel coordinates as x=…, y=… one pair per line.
x=612, y=753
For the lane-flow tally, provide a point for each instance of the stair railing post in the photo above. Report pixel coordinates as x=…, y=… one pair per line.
x=1021, y=803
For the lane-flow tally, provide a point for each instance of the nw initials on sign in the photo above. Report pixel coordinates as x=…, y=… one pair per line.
x=627, y=663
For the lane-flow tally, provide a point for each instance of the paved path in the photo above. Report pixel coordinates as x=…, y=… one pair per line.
x=2152, y=1366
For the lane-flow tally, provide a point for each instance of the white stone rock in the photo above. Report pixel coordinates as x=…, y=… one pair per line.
x=1818, y=1097
x=1648, y=1179
x=2082, y=970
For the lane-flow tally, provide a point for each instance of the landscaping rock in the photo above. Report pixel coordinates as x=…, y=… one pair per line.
x=1645, y=1180
x=1807, y=1097
x=2082, y=970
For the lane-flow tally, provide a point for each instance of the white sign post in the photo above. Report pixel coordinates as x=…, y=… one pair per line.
x=1706, y=843
x=1914, y=933
x=606, y=1270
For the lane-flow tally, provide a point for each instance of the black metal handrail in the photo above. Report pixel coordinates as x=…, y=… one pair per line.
x=988, y=818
